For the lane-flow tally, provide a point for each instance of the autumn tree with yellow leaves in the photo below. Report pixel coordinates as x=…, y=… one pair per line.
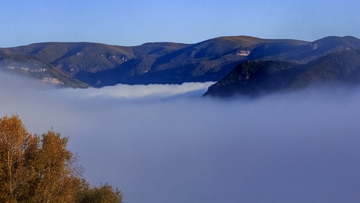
x=40, y=169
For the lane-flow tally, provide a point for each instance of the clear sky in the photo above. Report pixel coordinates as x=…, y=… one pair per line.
x=135, y=22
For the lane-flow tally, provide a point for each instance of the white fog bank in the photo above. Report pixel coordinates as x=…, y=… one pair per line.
x=300, y=147
x=152, y=90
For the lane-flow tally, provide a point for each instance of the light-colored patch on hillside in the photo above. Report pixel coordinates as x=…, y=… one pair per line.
x=55, y=81
x=242, y=53
x=27, y=69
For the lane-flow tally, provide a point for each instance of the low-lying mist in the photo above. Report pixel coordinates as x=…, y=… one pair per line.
x=165, y=144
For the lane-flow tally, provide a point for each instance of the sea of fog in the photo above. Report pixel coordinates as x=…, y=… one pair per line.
x=166, y=144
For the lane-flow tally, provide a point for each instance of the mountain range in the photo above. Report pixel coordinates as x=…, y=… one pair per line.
x=83, y=64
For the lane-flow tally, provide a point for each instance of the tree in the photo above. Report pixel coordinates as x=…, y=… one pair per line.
x=38, y=169
x=103, y=194
x=14, y=141
x=56, y=174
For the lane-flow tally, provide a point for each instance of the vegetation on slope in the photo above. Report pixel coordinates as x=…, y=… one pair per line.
x=254, y=78
x=33, y=67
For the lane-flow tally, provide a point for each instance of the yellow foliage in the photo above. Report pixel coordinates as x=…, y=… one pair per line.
x=38, y=169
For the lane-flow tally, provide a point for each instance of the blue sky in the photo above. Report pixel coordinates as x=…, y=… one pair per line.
x=135, y=22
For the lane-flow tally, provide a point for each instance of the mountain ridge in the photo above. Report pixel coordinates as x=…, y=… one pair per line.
x=99, y=65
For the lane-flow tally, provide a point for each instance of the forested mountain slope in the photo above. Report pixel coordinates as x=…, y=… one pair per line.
x=255, y=78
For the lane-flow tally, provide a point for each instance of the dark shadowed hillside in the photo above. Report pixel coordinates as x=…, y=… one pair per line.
x=255, y=78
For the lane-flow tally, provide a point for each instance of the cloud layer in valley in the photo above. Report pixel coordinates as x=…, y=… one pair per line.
x=299, y=147
x=156, y=91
